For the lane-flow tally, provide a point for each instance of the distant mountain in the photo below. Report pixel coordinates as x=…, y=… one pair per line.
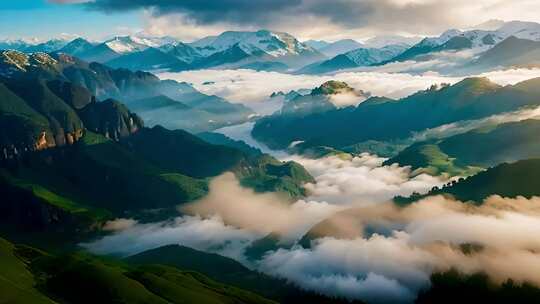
x=339, y=47
x=206, y=113
x=209, y=114
x=512, y=52
x=520, y=29
x=454, y=40
x=356, y=58
x=385, y=40
x=274, y=46
x=182, y=51
x=147, y=60
x=126, y=44
x=99, y=53
x=319, y=100
x=261, y=50
x=120, y=46
x=471, y=98
x=46, y=47
x=316, y=44
x=16, y=44
x=77, y=47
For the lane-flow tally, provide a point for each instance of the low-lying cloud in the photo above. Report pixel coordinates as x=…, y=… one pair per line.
x=425, y=237
x=207, y=234
x=362, y=246
x=253, y=88
x=262, y=213
x=464, y=126
x=362, y=180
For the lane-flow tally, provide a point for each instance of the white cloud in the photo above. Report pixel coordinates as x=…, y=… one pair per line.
x=377, y=252
x=262, y=213
x=254, y=88
x=423, y=238
x=209, y=234
x=362, y=180
x=119, y=224
x=468, y=125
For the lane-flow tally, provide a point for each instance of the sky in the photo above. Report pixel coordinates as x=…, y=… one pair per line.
x=192, y=19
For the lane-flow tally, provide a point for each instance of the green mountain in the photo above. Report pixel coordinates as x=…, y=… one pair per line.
x=33, y=276
x=70, y=162
x=220, y=139
x=511, y=52
x=472, y=98
x=319, y=100
x=205, y=113
x=55, y=113
x=507, y=180
x=455, y=155
x=230, y=272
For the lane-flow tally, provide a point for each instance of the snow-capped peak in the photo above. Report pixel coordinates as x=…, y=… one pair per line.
x=520, y=29
x=275, y=44
x=479, y=37
x=127, y=44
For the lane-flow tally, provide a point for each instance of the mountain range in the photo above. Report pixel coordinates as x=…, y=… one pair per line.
x=277, y=51
x=158, y=101
x=229, y=49
x=383, y=119
x=71, y=161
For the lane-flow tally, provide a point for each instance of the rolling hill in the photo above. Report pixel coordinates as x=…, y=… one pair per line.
x=455, y=155
x=33, y=276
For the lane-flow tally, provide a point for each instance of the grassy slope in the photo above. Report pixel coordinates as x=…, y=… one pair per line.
x=31, y=276
x=467, y=153
x=17, y=284
x=230, y=272
x=428, y=158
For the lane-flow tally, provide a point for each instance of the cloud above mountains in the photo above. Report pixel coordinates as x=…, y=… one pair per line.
x=334, y=18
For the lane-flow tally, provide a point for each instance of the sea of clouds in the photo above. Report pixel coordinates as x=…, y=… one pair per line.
x=362, y=245
x=371, y=249
x=253, y=88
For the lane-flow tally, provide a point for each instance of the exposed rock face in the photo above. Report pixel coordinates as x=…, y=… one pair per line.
x=41, y=109
x=110, y=118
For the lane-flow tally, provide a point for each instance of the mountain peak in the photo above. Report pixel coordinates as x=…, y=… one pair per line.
x=332, y=87
x=11, y=60
x=475, y=85
x=275, y=44
x=125, y=44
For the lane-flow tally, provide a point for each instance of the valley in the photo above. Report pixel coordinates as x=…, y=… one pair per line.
x=220, y=157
